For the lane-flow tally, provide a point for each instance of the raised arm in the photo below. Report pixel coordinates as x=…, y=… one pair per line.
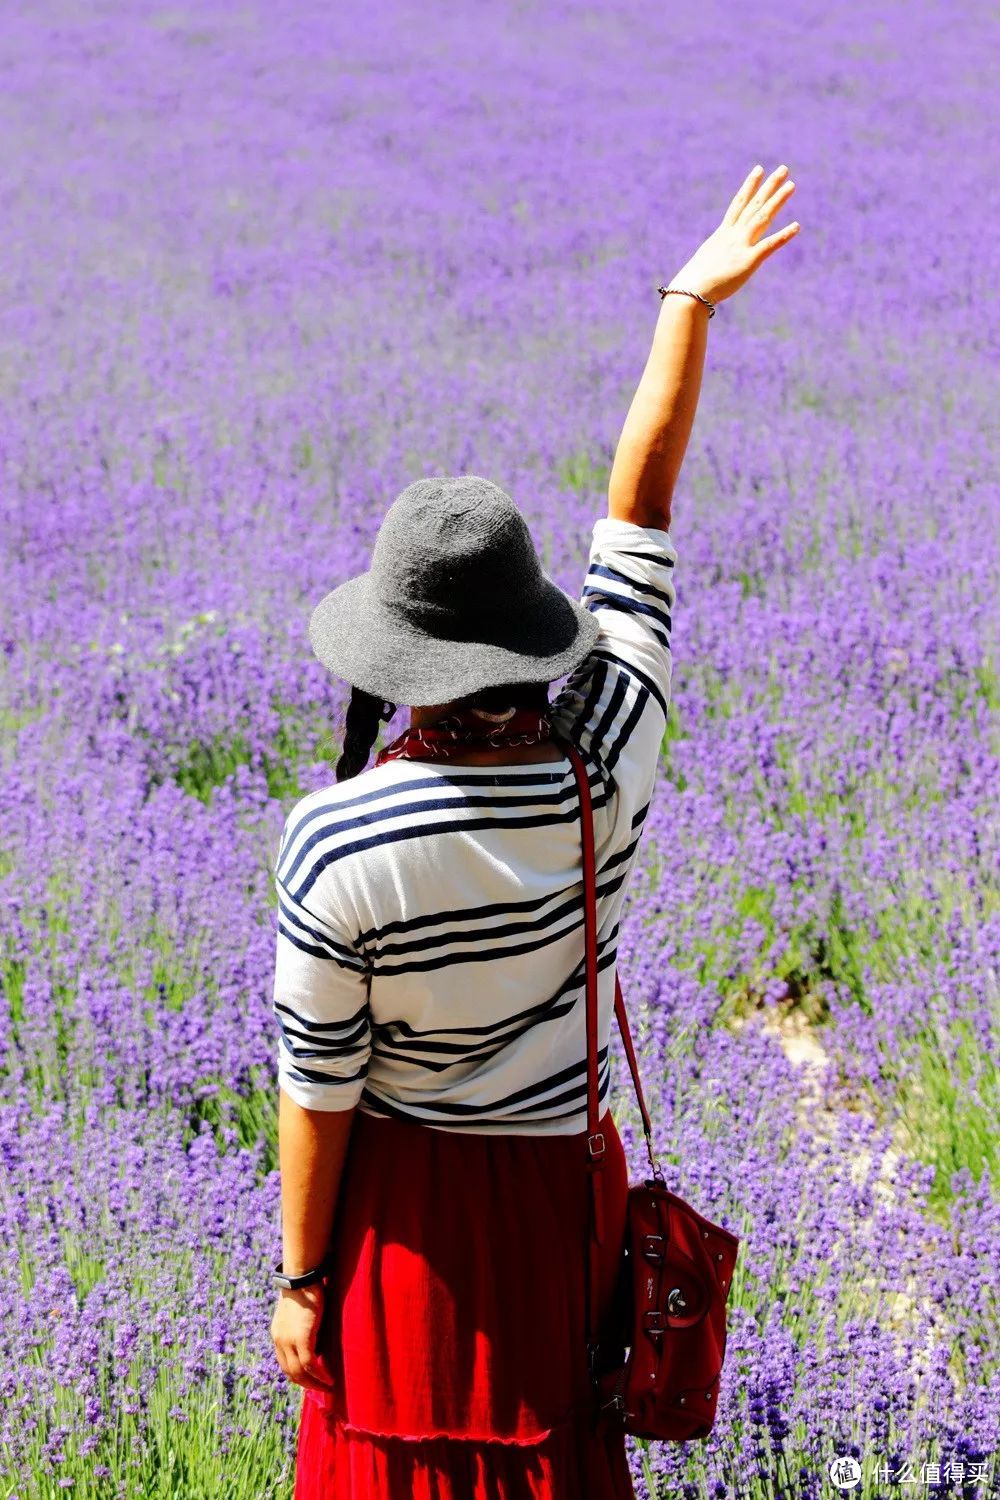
x=655, y=436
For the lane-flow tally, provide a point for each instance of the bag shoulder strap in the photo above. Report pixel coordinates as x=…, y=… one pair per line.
x=595, y=1138
x=590, y=940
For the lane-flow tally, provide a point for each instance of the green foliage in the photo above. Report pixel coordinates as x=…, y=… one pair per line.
x=173, y=1458
x=807, y=958
x=988, y=679
x=168, y=977
x=672, y=732
x=804, y=394
x=85, y=1268
x=207, y=765
x=12, y=972
x=949, y=1094
x=303, y=452
x=251, y=1110
x=11, y=722
x=582, y=473
x=751, y=583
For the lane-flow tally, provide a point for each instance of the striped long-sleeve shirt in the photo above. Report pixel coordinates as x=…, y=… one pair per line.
x=430, y=949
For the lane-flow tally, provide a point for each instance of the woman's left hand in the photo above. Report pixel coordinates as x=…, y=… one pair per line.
x=295, y=1330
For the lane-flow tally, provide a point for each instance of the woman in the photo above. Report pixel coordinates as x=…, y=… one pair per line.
x=429, y=974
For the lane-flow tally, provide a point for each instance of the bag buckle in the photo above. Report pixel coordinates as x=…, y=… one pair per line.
x=653, y=1322
x=653, y=1247
x=595, y=1145
x=677, y=1303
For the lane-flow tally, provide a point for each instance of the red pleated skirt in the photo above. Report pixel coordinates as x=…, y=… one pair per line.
x=454, y=1322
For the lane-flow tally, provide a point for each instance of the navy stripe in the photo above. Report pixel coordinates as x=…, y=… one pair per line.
x=606, y=951
x=626, y=666
x=605, y=887
x=626, y=731
x=530, y=1091
x=449, y=1053
x=308, y=1025
x=638, y=818
x=316, y=952
x=385, y=1110
x=312, y=939
x=609, y=715
x=534, y=943
x=653, y=557
x=307, y=1075
x=629, y=605
x=625, y=609
x=494, y=935
x=532, y=1109
x=578, y=1089
x=458, y=1053
x=335, y=809
x=602, y=570
x=504, y=909
x=337, y=824
x=471, y=825
x=382, y=1109
x=337, y=1050
x=461, y=1052
x=598, y=676
x=455, y=777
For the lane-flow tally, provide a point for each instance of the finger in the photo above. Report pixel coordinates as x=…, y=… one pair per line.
x=775, y=241
x=766, y=189
x=312, y=1367
x=763, y=216
x=301, y=1371
x=310, y=1383
x=743, y=195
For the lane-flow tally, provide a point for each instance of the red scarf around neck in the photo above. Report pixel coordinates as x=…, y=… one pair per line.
x=462, y=729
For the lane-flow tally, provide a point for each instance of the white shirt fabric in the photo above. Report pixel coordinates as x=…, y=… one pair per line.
x=430, y=950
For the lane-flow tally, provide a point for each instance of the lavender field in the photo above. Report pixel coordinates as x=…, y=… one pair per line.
x=261, y=267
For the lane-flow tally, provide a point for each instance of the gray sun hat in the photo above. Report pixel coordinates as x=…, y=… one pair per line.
x=455, y=600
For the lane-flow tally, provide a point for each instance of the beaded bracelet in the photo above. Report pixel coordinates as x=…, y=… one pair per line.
x=665, y=291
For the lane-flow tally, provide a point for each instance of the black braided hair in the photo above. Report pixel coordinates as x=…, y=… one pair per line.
x=365, y=713
x=509, y=695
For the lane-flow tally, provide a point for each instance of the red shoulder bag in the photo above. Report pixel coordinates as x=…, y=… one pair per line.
x=677, y=1267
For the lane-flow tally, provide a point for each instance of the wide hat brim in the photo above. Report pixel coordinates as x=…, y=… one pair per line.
x=373, y=645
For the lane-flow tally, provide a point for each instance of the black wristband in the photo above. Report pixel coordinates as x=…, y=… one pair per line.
x=308, y=1278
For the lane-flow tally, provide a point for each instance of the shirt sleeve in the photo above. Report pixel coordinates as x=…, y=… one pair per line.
x=614, y=706
x=321, y=985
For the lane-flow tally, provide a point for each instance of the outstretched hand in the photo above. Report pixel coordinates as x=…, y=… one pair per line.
x=732, y=253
